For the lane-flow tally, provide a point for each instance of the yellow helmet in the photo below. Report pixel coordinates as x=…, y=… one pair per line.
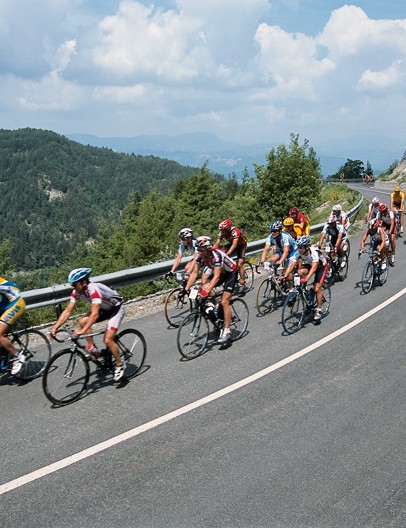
x=397, y=189
x=288, y=221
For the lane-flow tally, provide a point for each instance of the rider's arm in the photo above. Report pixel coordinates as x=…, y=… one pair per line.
x=63, y=317
x=284, y=255
x=322, y=237
x=265, y=251
x=193, y=275
x=381, y=246
x=218, y=241
x=92, y=318
x=176, y=263
x=363, y=239
x=213, y=281
x=233, y=246
x=312, y=269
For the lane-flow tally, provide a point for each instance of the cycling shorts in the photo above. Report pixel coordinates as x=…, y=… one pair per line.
x=13, y=311
x=228, y=279
x=320, y=274
x=113, y=317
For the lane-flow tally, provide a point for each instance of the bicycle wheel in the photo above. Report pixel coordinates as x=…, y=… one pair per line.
x=36, y=348
x=325, y=306
x=248, y=275
x=266, y=296
x=177, y=306
x=293, y=312
x=239, y=318
x=342, y=271
x=193, y=335
x=133, y=350
x=383, y=273
x=65, y=377
x=367, y=278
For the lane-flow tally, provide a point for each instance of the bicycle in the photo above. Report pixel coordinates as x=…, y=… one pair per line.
x=36, y=348
x=194, y=331
x=270, y=291
x=374, y=268
x=177, y=303
x=67, y=373
x=300, y=304
x=248, y=278
x=337, y=266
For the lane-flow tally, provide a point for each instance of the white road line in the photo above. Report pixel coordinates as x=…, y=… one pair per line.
x=86, y=453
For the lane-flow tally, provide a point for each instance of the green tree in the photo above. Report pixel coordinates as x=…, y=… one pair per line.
x=352, y=169
x=291, y=177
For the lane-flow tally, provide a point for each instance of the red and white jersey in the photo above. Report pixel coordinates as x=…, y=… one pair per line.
x=387, y=217
x=218, y=259
x=98, y=293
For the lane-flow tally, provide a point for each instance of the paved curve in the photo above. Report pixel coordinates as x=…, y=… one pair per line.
x=319, y=442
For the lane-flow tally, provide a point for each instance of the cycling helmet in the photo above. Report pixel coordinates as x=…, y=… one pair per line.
x=382, y=207
x=185, y=232
x=337, y=207
x=375, y=200
x=375, y=223
x=78, y=274
x=332, y=218
x=226, y=224
x=293, y=211
x=397, y=189
x=303, y=241
x=288, y=221
x=276, y=226
x=203, y=242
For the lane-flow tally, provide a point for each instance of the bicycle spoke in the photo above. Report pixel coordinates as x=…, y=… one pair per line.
x=193, y=335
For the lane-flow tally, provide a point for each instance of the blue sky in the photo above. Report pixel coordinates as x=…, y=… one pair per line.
x=249, y=71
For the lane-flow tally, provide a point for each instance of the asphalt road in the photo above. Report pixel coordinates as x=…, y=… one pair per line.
x=273, y=431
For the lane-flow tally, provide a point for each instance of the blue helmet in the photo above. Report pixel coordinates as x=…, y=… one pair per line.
x=78, y=274
x=303, y=241
x=276, y=226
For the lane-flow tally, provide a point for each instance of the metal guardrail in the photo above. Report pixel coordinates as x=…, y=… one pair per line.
x=56, y=295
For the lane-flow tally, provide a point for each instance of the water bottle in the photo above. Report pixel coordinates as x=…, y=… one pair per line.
x=209, y=309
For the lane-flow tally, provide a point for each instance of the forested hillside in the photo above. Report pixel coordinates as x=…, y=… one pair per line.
x=55, y=192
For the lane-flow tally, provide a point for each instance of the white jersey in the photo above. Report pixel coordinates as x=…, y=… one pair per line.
x=98, y=293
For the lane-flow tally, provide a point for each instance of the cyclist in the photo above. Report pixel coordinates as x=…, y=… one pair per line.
x=341, y=216
x=379, y=239
x=372, y=209
x=236, y=245
x=285, y=248
x=12, y=306
x=311, y=261
x=300, y=219
x=218, y=268
x=388, y=222
x=289, y=226
x=106, y=305
x=338, y=237
x=187, y=245
x=397, y=204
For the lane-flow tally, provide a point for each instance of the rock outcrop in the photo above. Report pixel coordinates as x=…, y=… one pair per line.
x=399, y=173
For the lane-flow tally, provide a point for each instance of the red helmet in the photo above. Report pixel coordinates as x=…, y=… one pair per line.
x=225, y=224
x=382, y=207
x=293, y=211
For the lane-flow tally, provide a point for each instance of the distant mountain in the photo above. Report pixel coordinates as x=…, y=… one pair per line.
x=226, y=157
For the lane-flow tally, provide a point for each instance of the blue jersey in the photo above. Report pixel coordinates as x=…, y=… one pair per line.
x=283, y=240
x=9, y=292
x=191, y=248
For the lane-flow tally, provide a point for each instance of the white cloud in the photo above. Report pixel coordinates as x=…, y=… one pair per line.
x=387, y=78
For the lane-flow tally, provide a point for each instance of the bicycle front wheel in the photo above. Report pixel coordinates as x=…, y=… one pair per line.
x=367, y=278
x=65, y=377
x=266, y=297
x=248, y=275
x=293, y=312
x=35, y=346
x=239, y=318
x=383, y=273
x=325, y=306
x=133, y=351
x=193, y=335
x=342, y=267
x=177, y=306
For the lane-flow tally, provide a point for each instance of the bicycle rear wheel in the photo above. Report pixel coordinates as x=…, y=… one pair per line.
x=34, y=345
x=342, y=271
x=266, y=297
x=239, y=318
x=193, y=335
x=367, y=278
x=133, y=351
x=177, y=306
x=293, y=312
x=248, y=275
x=325, y=306
x=65, y=377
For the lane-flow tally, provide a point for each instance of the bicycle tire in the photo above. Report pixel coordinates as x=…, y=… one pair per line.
x=367, y=278
x=65, y=377
x=293, y=312
x=342, y=272
x=37, y=351
x=133, y=351
x=248, y=275
x=325, y=306
x=193, y=335
x=176, y=307
x=383, y=275
x=239, y=318
x=266, y=296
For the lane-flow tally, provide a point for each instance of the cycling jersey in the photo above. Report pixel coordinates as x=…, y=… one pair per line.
x=387, y=219
x=315, y=255
x=98, y=293
x=334, y=230
x=373, y=210
x=218, y=259
x=376, y=238
x=397, y=198
x=284, y=239
x=12, y=305
x=302, y=219
x=190, y=248
x=343, y=217
x=233, y=234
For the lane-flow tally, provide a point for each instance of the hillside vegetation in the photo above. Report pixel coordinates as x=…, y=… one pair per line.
x=55, y=192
